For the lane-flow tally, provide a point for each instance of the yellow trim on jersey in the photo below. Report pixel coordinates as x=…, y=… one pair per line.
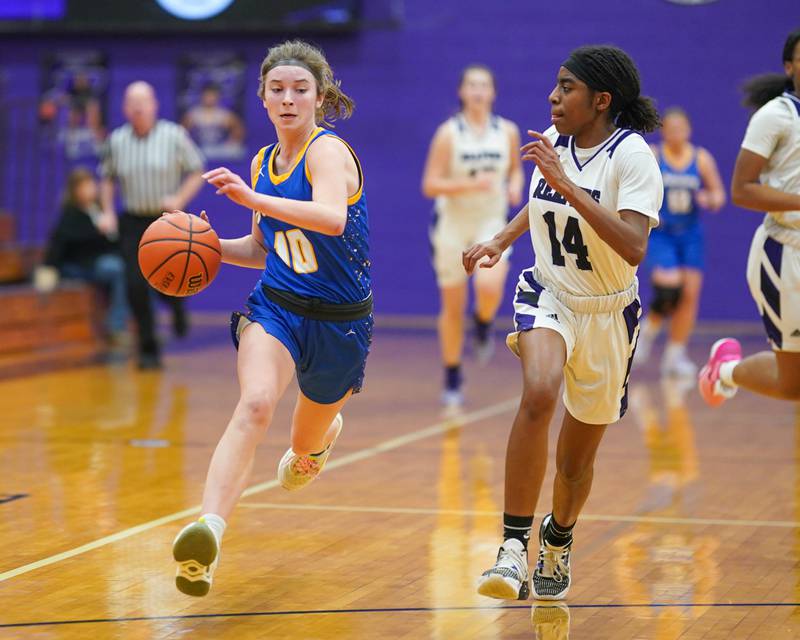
x=351, y=200
x=259, y=161
x=278, y=178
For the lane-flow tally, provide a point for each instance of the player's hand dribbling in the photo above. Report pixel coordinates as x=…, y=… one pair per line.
x=231, y=185
x=474, y=256
x=542, y=152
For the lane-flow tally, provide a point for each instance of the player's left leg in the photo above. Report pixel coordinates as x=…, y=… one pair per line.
x=315, y=428
x=488, y=284
x=575, y=455
x=676, y=361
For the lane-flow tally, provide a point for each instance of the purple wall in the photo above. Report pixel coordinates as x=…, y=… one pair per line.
x=404, y=83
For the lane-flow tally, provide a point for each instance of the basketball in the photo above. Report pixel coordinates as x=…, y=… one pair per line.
x=179, y=254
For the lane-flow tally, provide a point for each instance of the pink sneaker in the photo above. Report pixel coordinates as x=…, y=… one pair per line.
x=712, y=389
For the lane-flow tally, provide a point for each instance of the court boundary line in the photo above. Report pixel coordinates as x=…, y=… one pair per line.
x=787, y=524
x=437, y=428
x=454, y=609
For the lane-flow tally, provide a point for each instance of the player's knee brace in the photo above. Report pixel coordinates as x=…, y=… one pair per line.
x=665, y=299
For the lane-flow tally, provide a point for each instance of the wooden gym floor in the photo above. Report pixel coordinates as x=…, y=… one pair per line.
x=692, y=530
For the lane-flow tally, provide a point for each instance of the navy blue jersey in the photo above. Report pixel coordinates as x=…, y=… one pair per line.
x=308, y=263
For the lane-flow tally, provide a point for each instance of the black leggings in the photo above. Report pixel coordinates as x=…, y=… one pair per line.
x=131, y=229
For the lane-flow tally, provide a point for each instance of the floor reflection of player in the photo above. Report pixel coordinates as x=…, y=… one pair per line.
x=217, y=130
x=458, y=535
x=667, y=564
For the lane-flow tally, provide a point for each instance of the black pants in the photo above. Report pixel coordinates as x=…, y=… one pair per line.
x=140, y=294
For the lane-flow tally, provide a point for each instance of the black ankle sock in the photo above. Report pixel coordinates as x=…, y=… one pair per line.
x=452, y=377
x=518, y=527
x=558, y=535
x=482, y=329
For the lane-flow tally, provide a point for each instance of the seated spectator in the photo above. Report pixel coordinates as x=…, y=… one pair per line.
x=78, y=250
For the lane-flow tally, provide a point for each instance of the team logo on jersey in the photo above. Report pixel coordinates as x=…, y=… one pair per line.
x=544, y=191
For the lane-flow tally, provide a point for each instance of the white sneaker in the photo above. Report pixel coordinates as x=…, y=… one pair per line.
x=551, y=578
x=196, y=551
x=295, y=472
x=452, y=402
x=508, y=579
x=678, y=366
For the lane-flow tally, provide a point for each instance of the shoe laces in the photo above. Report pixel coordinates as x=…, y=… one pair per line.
x=553, y=562
x=511, y=559
x=305, y=466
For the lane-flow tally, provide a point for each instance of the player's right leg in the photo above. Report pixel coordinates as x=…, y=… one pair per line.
x=265, y=368
x=451, y=341
x=543, y=353
x=448, y=239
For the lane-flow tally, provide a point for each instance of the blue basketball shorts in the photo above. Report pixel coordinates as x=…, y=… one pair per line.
x=330, y=357
x=673, y=249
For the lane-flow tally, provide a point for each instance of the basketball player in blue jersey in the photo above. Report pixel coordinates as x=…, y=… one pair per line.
x=675, y=251
x=766, y=179
x=311, y=311
x=594, y=196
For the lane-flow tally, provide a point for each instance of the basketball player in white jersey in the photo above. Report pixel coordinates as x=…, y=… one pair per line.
x=767, y=179
x=594, y=196
x=473, y=170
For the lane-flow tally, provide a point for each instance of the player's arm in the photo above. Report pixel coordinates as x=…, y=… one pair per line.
x=494, y=248
x=625, y=231
x=436, y=179
x=516, y=177
x=247, y=251
x=250, y=250
x=712, y=195
x=749, y=193
x=329, y=163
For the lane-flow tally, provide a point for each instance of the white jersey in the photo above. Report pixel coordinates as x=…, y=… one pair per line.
x=621, y=173
x=475, y=153
x=774, y=134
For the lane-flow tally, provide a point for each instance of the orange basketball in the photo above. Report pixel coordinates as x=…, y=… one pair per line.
x=179, y=254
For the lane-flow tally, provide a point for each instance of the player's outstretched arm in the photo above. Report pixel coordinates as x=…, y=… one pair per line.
x=493, y=248
x=329, y=163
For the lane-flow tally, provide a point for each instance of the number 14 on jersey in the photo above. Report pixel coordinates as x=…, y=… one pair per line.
x=572, y=242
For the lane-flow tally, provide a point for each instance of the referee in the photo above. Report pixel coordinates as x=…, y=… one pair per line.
x=158, y=169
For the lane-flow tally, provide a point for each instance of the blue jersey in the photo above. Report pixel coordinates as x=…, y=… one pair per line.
x=308, y=263
x=679, y=209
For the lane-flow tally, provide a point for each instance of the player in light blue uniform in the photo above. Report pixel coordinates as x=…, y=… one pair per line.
x=311, y=311
x=675, y=252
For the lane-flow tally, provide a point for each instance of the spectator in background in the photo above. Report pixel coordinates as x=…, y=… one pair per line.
x=158, y=169
x=78, y=250
x=217, y=129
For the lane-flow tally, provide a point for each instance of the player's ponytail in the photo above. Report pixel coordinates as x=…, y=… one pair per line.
x=761, y=89
x=639, y=115
x=610, y=69
x=335, y=102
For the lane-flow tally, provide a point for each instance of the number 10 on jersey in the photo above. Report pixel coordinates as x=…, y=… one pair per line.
x=296, y=250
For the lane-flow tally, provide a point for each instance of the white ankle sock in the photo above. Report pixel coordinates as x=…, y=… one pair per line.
x=674, y=350
x=216, y=523
x=726, y=372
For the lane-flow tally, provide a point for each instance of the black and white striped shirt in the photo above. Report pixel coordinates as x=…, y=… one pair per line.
x=149, y=167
